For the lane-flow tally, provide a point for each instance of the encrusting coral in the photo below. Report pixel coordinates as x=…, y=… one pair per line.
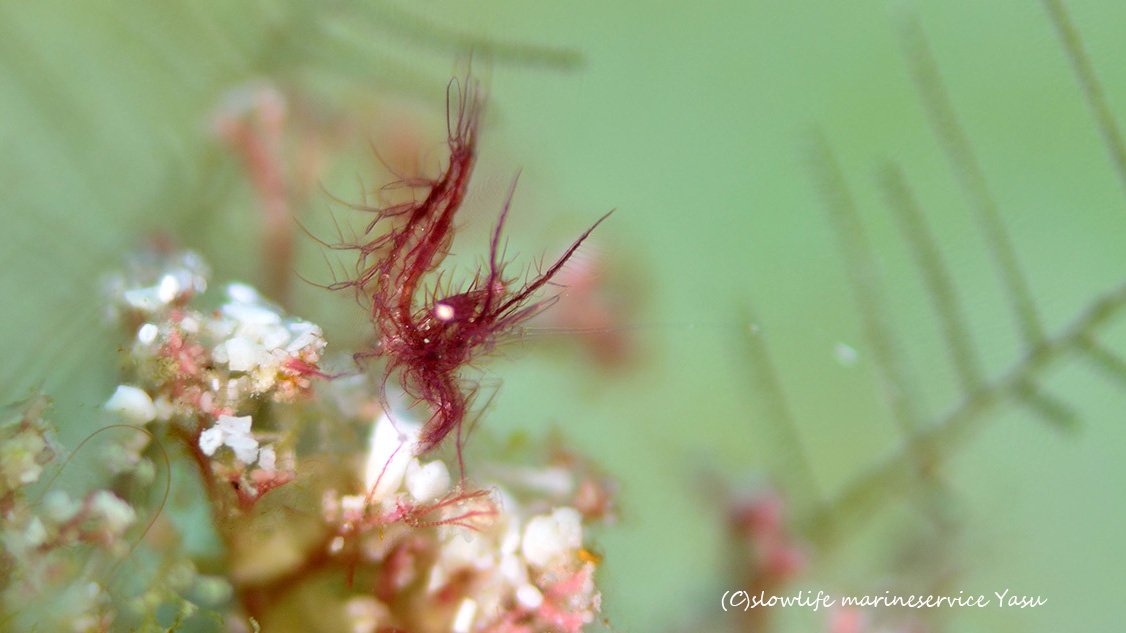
x=414, y=543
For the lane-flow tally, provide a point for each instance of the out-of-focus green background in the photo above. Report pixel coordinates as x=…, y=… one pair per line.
x=693, y=120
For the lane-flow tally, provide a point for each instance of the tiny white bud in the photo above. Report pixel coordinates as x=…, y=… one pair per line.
x=58, y=507
x=133, y=404
x=426, y=481
x=267, y=458
x=513, y=570
x=242, y=293
x=117, y=514
x=549, y=538
x=243, y=354
x=390, y=450
x=168, y=289
x=35, y=534
x=210, y=440
x=236, y=425
x=352, y=503
x=529, y=597
x=144, y=299
x=244, y=446
x=365, y=614
x=510, y=542
x=250, y=313
x=463, y=621
x=190, y=325
x=304, y=335
x=147, y=333
x=164, y=408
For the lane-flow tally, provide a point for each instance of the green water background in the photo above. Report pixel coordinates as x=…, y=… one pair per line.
x=693, y=121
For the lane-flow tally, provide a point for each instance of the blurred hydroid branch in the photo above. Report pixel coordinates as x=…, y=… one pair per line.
x=932, y=557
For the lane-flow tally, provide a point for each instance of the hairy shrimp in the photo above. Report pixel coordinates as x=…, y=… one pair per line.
x=427, y=336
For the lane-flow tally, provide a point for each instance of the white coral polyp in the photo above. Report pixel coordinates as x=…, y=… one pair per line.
x=552, y=538
x=234, y=432
x=20, y=460
x=147, y=334
x=116, y=514
x=246, y=349
x=244, y=446
x=242, y=293
x=267, y=458
x=529, y=597
x=58, y=507
x=235, y=425
x=133, y=404
x=305, y=335
x=463, y=619
x=521, y=566
x=390, y=450
x=250, y=313
x=243, y=353
x=168, y=288
x=426, y=481
x=256, y=339
x=210, y=440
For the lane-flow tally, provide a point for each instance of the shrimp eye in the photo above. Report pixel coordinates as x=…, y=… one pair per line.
x=444, y=312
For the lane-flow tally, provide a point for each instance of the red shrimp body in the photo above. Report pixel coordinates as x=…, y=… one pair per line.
x=420, y=245
x=425, y=337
